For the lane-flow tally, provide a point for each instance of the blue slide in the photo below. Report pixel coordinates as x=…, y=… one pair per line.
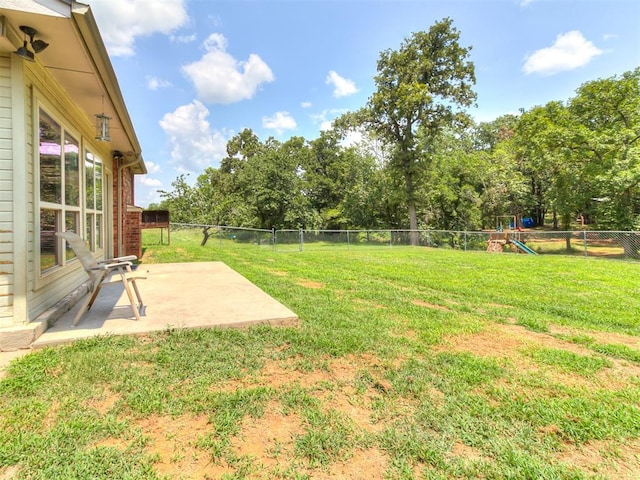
x=523, y=247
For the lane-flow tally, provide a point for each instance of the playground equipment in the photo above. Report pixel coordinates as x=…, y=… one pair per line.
x=522, y=247
x=507, y=232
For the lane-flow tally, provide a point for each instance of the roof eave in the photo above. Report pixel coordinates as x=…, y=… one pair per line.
x=88, y=31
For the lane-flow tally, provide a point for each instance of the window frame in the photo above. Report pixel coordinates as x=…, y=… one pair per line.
x=63, y=211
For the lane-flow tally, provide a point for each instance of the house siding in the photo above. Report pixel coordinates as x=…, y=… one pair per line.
x=6, y=196
x=45, y=290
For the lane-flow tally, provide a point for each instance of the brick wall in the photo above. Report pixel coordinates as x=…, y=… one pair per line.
x=132, y=236
x=129, y=222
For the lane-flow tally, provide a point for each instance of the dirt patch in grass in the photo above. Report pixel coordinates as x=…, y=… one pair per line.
x=604, y=459
x=368, y=303
x=269, y=440
x=310, y=284
x=512, y=342
x=466, y=452
x=505, y=341
x=107, y=401
x=600, y=337
x=350, y=385
x=422, y=303
x=9, y=472
x=369, y=464
x=278, y=273
x=172, y=441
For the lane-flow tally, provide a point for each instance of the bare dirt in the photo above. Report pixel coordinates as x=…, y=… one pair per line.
x=268, y=442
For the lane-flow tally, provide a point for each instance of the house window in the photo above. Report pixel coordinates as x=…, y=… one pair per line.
x=93, y=201
x=62, y=206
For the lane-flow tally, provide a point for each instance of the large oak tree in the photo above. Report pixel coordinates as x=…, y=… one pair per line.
x=424, y=86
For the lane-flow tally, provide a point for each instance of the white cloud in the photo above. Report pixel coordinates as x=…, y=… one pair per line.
x=148, y=181
x=121, y=21
x=152, y=167
x=195, y=146
x=342, y=87
x=150, y=196
x=183, y=38
x=571, y=50
x=306, y=105
x=279, y=122
x=154, y=83
x=220, y=78
x=325, y=119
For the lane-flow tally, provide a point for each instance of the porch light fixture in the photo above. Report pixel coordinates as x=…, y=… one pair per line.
x=37, y=45
x=102, y=127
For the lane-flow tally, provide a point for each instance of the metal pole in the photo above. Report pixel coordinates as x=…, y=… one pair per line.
x=301, y=240
x=348, y=243
x=584, y=240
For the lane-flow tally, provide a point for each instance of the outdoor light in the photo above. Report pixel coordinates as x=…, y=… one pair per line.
x=102, y=127
x=37, y=45
x=24, y=53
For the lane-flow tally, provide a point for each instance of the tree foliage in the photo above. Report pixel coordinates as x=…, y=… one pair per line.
x=421, y=88
x=422, y=164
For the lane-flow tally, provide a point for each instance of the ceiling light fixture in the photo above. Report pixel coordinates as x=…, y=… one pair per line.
x=37, y=45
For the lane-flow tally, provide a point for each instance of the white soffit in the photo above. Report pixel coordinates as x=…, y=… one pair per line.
x=53, y=8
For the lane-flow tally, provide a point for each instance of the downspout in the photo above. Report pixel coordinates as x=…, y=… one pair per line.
x=119, y=169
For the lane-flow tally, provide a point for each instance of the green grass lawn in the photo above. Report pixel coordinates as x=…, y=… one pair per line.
x=408, y=363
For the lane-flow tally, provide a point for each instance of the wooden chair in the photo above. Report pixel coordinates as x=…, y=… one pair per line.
x=104, y=272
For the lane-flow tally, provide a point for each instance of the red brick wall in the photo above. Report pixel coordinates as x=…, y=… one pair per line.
x=129, y=221
x=132, y=236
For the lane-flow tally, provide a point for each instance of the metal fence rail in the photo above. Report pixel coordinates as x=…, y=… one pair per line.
x=610, y=244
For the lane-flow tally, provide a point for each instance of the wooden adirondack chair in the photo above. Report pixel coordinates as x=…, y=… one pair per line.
x=104, y=272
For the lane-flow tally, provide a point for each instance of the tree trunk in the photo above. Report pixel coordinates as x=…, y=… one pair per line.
x=205, y=236
x=413, y=223
x=411, y=205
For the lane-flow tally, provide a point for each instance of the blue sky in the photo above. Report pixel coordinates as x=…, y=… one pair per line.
x=196, y=72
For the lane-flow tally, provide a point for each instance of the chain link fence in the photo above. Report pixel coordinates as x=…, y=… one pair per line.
x=621, y=245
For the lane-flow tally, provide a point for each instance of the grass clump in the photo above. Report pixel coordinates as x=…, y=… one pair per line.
x=570, y=362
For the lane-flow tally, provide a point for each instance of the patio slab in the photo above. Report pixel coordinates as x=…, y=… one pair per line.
x=184, y=295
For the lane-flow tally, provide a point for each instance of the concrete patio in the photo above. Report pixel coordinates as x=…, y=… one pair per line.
x=184, y=295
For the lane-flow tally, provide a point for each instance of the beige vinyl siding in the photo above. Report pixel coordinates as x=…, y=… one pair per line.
x=6, y=196
x=43, y=292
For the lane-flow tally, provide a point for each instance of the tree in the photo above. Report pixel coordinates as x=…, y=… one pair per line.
x=425, y=85
x=607, y=133
x=325, y=171
x=558, y=176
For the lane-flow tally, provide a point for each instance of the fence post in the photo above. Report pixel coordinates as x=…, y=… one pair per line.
x=273, y=238
x=465, y=240
x=348, y=242
x=300, y=240
x=584, y=240
x=220, y=236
